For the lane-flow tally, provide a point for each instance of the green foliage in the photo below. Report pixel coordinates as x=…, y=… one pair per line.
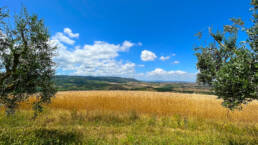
x=229, y=67
x=235, y=80
x=26, y=65
x=253, y=31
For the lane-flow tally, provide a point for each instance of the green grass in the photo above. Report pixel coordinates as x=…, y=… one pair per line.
x=103, y=128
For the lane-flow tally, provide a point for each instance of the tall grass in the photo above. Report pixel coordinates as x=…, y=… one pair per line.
x=188, y=105
x=128, y=117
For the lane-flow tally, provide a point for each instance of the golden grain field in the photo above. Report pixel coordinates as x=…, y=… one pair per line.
x=153, y=103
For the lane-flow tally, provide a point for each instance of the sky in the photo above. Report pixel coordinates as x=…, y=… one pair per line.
x=150, y=40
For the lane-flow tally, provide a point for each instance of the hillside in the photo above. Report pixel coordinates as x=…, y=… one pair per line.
x=65, y=83
x=68, y=83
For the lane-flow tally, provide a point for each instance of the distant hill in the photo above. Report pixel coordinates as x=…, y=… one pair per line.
x=67, y=83
x=91, y=83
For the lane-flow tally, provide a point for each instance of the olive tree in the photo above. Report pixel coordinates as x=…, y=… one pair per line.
x=229, y=65
x=26, y=66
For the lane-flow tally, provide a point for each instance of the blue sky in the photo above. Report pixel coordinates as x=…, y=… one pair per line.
x=143, y=39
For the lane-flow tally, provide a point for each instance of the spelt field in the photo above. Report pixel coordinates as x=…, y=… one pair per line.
x=131, y=117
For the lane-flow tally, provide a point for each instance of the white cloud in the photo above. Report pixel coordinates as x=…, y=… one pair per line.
x=126, y=45
x=69, y=32
x=62, y=38
x=162, y=75
x=159, y=71
x=176, y=62
x=147, y=55
x=100, y=59
x=163, y=58
x=97, y=59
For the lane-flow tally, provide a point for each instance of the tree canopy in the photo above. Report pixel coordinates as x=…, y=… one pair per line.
x=229, y=65
x=26, y=66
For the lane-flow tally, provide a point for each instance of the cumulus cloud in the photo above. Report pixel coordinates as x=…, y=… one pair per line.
x=97, y=59
x=62, y=38
x=126, y=45
x=176, y=62
x=159, y=71
x=162, y=75
x=147, y=55
x=163, y=58
x=101, y=59
x=69, y=32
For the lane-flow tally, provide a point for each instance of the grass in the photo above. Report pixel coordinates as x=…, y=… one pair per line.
x=127, y=117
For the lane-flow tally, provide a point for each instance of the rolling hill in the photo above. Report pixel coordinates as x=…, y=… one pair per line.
x=68, y=83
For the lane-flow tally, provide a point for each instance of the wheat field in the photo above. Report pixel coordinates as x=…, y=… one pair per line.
x=131, y=117
x=153, y=103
